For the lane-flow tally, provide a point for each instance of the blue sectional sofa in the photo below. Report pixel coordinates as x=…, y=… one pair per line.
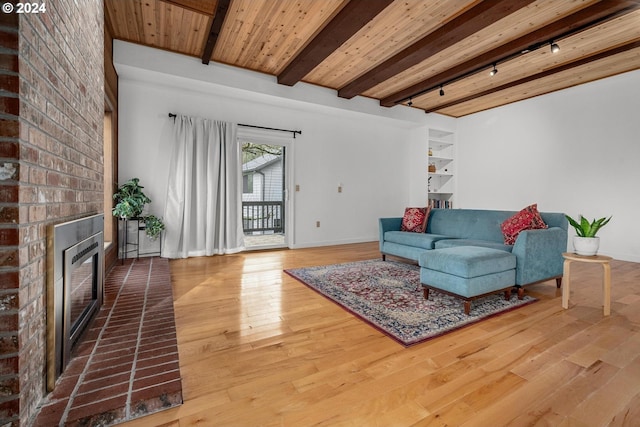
x=538, y=253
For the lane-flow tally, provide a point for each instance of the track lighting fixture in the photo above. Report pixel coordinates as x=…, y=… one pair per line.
x=555, y=48
x=482, y=67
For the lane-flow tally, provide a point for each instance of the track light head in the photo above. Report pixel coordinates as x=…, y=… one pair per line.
x=554, y=47
x=441, y=91
x=494, y=71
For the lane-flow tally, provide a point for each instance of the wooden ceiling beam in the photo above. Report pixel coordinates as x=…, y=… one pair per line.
x=214, y=31
x=470, y=22
x=198, y=6
x=582, y=20
x=351, y=19
x=564, y=67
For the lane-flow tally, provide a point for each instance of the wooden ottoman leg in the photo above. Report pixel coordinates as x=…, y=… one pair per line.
x=507, y=294
x=467, y=306
x=558, y=282
x=425, y=292
x=520, y=292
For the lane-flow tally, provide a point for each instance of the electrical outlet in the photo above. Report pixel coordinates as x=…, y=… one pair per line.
x=317, y=223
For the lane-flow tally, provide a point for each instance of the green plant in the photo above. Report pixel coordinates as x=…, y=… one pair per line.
x=584, y=228
x=130, y=199
x=153, y=226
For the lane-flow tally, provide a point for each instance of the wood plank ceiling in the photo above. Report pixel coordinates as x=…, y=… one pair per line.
x=434, y=55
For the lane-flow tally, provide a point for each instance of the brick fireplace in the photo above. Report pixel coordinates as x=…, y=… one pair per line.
x=51, y=171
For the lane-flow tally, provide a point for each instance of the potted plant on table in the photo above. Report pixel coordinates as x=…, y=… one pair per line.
x=586, y=242
x=130, y=202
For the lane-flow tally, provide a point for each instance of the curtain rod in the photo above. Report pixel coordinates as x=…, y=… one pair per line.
x=294, y=132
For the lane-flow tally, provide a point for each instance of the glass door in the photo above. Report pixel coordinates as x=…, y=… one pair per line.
x=264, y=194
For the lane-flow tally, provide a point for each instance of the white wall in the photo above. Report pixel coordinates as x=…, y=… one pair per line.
x=356, y=143
x=534, y=151
x=574, y=151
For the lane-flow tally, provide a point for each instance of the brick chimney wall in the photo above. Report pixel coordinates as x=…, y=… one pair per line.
x=51, y=171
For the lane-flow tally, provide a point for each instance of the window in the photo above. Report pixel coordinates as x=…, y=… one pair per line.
x=247, y=183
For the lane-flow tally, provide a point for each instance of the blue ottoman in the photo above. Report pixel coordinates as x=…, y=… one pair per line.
x=468, y=272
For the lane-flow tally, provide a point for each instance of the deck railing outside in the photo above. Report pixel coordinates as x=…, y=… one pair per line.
x=262, y=216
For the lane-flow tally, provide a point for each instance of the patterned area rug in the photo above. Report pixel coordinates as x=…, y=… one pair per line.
x=388, y=295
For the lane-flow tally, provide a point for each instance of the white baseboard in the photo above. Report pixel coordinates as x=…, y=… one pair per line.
x=332, y=243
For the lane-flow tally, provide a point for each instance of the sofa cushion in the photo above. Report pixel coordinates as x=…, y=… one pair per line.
x=479, y=224
x=451, y=243
x=415, y=219
x=468, y=261
x=527, y=219
x=419, y=240
x=468, y=223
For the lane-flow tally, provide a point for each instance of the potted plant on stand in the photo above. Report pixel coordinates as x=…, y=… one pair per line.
x=586, y=242
x=130, y=203
x=153, y=226
x=130, y=200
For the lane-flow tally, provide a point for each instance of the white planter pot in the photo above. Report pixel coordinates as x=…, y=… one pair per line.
x=586, y=245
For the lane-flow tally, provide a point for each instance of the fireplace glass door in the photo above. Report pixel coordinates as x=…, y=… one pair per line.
x=82, y=290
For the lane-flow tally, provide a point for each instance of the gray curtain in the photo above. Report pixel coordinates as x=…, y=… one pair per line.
x=203, y=214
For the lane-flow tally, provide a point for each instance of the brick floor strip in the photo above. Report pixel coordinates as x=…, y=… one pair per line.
x=112, y=378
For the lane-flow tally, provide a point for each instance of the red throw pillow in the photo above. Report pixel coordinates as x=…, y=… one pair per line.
x=415, y=219
x=527, y=219
x=538, y=222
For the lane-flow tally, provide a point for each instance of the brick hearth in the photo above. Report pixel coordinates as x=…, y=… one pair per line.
x=127, y=364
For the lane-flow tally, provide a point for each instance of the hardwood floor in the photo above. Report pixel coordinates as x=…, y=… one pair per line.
x=258, y=348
